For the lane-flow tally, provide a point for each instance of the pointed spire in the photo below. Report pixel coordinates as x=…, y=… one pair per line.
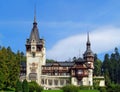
x=35, y=22
x=35, y=14
x=34, y=33
x=88, y=47
x=88, y=40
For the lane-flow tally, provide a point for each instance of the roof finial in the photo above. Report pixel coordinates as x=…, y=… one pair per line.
x=35, y=13
x=88, y=40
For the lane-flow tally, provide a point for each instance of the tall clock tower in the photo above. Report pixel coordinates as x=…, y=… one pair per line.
x=35, y=54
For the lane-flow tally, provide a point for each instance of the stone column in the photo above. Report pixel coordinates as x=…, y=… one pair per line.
x=58, y=82
x=53, y=82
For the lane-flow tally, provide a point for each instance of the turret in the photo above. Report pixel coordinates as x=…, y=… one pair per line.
x=88, y=55
x=89, y=59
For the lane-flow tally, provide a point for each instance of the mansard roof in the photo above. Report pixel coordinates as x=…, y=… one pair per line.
x=64, y=63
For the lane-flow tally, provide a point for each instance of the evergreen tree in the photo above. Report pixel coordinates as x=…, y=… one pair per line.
x=25, y=86
x=111, y=67
x=97, y=66
x=9, y=67
x=106, y=67
x=18, y=87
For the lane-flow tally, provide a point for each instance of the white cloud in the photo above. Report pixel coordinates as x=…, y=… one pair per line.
x=102, y=40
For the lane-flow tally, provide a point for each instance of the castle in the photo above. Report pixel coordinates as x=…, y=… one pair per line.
x=55, y=74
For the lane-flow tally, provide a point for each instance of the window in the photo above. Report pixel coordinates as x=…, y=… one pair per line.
x=64, y=67
x=67, y=82
x=33, y=76
x=33, y=54
x=80, y=83
x=45, y=81
x=42, y=81
x=50, y=82
x=33, y=48
x=61, y=82
x=56, y=82
x=80, y=71
x=56, y=74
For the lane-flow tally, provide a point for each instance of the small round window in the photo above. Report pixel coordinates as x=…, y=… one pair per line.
x=33, y=48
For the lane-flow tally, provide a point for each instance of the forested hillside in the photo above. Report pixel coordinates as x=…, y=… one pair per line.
x=111, y=67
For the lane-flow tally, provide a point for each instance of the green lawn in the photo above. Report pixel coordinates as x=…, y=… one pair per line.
x=57, y=91
x=89, y=91
x=62, y=91
x=52, y=91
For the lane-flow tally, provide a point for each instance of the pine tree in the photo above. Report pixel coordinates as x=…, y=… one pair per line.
x=25, y=86
x=9, y=67
x=106, y=69
x=18, y=87
x=97, y=66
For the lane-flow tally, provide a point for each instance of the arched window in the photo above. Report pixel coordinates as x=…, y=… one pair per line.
x=56, y=82
x=61, y=82
x=50, y=82
x=42, y=81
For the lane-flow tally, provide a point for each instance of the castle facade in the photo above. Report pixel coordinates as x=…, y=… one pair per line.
x=55, y=74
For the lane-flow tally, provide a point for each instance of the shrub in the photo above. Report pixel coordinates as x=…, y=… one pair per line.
x=113, y=88
x=70, y=88
x=39, y=89
x=33, y=86
x=85, y=87
x=102, y=89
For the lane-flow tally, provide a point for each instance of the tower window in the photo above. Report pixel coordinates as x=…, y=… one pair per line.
x=33, y=55
x=33, y=48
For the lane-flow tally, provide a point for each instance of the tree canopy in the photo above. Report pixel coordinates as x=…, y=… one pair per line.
x=9, y=67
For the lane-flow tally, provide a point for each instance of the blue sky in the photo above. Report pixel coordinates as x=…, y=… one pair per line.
x=63, y=24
